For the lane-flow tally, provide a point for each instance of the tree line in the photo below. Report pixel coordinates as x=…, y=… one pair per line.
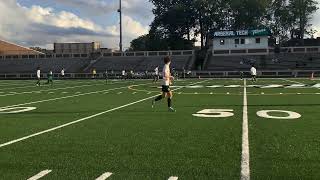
x=178, y=22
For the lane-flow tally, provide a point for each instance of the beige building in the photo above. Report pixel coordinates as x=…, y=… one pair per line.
x=76, y=48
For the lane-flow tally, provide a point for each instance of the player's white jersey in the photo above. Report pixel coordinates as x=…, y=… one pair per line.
x=38, y=73
x=156, y=71
x=165, y=75
x=62, y=72
x=123, y=72
x=253, y=71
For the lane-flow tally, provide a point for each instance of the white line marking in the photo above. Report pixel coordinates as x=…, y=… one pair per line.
x=119, y=93
x=16, y=110
x=73, y=122
x=173, y=178
x=40, y=174
x=32, y=85
x=104, y=176
x=245, y=161
x=134, y=93
x=71, y=87
x=29, y=92
x=80, y=120
x=291, y=81
x=65, y=97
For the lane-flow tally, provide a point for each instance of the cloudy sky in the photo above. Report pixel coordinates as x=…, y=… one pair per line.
x=42, y=22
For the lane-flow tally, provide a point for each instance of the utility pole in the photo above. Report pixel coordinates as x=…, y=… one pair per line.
x=120, y=13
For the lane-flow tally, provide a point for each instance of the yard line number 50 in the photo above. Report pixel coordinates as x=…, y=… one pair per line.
x=269, y=114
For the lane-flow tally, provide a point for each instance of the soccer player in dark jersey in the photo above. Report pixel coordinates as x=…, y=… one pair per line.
x=50, y=78
x=166, y=82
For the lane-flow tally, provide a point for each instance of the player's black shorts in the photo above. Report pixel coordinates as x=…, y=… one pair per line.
x=165, y=89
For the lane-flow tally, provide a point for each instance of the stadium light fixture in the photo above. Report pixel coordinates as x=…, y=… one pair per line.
x=120, y=14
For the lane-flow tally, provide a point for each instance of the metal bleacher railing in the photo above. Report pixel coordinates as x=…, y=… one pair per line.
x=180, y=74
x=306, y=49
x=108, y=54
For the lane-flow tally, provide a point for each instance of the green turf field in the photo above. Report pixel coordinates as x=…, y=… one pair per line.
x=87, y=129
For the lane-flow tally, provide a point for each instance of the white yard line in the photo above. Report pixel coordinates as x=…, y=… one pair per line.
x=104, y=176
x=79, y=120
x=8, y=84
x=291, y=81
x=73, y=122
x=30, y=92
x=173, y=178
x=65, y=97
x=40, y=175
x=60, y=84
x=245, y=160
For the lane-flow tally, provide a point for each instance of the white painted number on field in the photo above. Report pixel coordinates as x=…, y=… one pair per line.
x=214, y=113
x=223, y=113
x=14, y=110
x=290, y=114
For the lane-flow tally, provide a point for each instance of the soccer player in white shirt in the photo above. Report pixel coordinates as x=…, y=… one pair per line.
x=253, y=71
x=167, y=81
x=156, y=74
x=38, y=76
x=62, y=73
x=123, y=74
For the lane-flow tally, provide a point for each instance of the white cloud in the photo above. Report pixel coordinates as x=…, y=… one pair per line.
x=138, y=9
x=63, y=19
x=39, y=26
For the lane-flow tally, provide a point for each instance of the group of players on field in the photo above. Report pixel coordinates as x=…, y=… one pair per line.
x=167, y=80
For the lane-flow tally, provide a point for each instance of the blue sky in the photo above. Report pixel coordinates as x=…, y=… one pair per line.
x=43, y=22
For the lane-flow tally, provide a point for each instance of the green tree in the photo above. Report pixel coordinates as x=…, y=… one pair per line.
x=177, y=22
x=301, y=11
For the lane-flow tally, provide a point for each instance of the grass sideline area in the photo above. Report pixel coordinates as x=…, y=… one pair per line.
x=87, y=129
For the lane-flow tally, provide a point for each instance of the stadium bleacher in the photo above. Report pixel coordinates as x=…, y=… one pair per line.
x=71, y=65
x=283, y=61
x=140, y=63
x=85, y=65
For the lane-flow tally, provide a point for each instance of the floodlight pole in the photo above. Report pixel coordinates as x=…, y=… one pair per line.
x=120, y=13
